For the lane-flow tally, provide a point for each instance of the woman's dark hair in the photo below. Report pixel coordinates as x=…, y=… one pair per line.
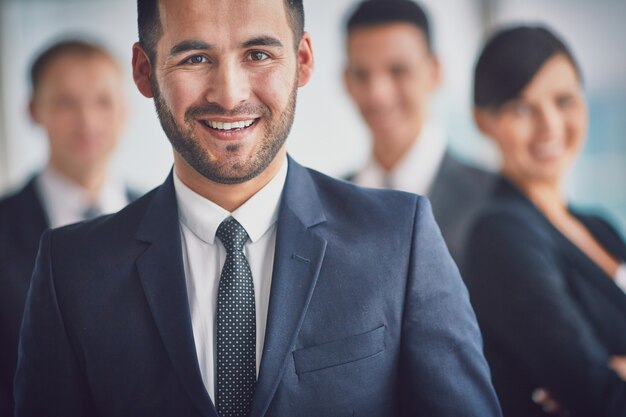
x=509, y=61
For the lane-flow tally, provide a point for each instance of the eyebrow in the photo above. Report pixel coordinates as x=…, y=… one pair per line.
x=262, y=41
x=194, y=45
x=189, y=45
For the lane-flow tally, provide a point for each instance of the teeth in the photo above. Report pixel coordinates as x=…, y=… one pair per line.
x=227, y=125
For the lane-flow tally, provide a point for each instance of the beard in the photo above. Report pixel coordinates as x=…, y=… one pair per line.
x=227, y=171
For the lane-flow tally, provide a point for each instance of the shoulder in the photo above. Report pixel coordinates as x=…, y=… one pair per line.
x=15, y=198
x=600, y=220
x=339, y=196
x=468, y=182
x=19, y=208
x=505, y=220
x=103, y=237
x=454, y=164
x=361, y=217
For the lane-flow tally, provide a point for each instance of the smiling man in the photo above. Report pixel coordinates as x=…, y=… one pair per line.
x=246, y=285
x=392, y=72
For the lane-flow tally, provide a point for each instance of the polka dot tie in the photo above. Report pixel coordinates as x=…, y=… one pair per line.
x=236, y=326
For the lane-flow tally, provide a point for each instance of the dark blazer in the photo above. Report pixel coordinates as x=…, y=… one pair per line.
x=22, y=221
x=457, y=194
x=550, y=316
x=368, y=315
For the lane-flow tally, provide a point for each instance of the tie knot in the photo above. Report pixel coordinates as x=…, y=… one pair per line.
x=91, y=212
x=232, y=234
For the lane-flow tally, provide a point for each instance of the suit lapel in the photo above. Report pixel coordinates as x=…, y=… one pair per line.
x=297, y=262
x=162, y=275
x=593, y=273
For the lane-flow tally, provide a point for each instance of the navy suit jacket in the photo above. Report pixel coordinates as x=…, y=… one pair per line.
x=550, y=316
x=368, y=315
x=22, y=221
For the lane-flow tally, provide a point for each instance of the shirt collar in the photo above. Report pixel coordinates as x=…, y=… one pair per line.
x=257, y=215
x=66, y=202
x=417, y=169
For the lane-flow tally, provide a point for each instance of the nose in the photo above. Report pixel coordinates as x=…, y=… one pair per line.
x=88, y=116
x=379, y=91
x=550, y=123
x=229, y=85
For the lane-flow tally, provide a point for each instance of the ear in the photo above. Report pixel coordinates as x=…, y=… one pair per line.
x=142, y=71
x=306, y=63
x=484, y=120
x=436, y=72
x=33, y=111
x=346, y=79
x=349, y=83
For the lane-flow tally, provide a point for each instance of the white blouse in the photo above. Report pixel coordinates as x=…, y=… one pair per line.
x=620, y=277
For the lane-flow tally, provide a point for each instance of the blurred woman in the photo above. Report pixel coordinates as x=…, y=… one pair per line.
x=546, y=281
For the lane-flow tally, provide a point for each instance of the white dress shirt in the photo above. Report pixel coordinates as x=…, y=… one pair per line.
x=416, y=171
x=66, y=202
x=204, y=256
x=620, y=277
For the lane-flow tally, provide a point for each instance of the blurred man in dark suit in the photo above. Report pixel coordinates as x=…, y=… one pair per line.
x=77, y=100
x=391, y=74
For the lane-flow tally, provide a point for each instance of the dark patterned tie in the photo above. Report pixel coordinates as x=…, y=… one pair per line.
x=236, y=326
x=91, y=212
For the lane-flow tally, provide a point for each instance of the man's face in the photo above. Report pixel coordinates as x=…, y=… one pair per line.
x=79, y=103
x=390, y=75
x=224, y=82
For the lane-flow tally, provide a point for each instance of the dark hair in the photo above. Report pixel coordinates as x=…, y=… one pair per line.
x=78, y=47
x=380, y=12
x=509, y=61
x=150, y=29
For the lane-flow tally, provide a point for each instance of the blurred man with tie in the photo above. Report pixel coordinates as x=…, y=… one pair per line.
x=391, y=74
x=77, y=100
x=246, y=284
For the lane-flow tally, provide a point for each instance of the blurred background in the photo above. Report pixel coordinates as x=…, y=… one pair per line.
x=328, y=134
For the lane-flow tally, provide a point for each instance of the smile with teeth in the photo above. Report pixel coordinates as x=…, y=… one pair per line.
x=226, y=126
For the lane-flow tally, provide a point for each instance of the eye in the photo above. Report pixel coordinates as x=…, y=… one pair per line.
x=104, y=102
x=359, y=75
x=196, y=59
x=520, y=109
x=398, y=71
x=565, y=101
x=258, y=56
x=66, y=102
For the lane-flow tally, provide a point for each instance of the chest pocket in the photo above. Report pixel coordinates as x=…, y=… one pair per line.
x=340, y=352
